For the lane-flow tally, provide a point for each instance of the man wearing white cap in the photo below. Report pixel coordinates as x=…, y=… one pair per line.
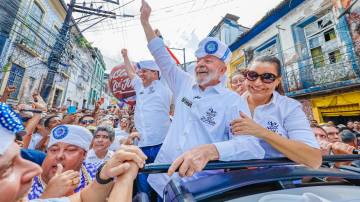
x=67, y=149
x=204, y=109
x=152, y=119
x=17, y=173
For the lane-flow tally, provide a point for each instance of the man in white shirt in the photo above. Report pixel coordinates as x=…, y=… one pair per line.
x=204, y=109
x=100, y=153
x=152, y=119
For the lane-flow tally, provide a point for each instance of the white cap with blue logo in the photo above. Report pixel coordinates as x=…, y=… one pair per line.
x=71, y=134
x=10, y=124
x=148, y=64
x=213, y=46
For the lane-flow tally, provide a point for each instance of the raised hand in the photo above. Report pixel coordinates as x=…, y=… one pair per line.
x=145, y=11
x=121, y=162
x=62, y=184
x=124, y=52
x=9, y=89
x=39, y=102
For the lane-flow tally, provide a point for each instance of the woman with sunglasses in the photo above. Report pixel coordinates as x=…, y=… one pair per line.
x=277, y=120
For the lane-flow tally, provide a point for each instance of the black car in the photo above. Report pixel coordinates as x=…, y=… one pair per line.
x=274, y=180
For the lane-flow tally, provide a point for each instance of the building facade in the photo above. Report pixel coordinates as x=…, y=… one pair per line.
x=97, y=81
x=82, y=66
x=318, y=54
x=31, y=38
x=227, y=31
x=28, y=32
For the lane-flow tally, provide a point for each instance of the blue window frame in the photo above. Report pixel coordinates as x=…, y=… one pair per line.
x=15, y=79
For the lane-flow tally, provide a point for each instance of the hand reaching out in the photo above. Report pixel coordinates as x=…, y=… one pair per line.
x=145, y=11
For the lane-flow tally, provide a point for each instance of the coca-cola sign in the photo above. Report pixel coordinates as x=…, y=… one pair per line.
x=120, y=83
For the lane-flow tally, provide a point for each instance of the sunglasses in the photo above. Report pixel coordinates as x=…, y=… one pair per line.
x=87, y=121
x=265, y=78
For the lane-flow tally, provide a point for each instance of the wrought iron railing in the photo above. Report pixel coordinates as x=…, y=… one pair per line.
x=304, y=74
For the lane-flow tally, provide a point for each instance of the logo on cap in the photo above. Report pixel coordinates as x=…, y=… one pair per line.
x=211, y=47
x=60, y=132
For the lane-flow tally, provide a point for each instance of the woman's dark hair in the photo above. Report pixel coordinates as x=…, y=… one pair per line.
x=273, y=60
x=48, y=119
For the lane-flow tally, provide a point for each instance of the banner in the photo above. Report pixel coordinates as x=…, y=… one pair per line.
x=120, y=83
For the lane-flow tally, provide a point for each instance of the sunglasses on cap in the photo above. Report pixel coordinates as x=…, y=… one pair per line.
x=87, y=121
x=265, y=78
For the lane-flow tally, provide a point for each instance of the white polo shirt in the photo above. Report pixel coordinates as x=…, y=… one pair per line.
x=92, y=158
x=201, y=117
x=152, y=119
x=284, y=115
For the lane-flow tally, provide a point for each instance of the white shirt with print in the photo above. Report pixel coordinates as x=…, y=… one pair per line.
x=284, y=116
x=201, y=117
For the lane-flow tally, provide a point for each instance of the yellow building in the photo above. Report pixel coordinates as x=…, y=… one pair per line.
x=336, y=106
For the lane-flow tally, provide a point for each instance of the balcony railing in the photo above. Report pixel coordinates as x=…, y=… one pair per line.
x=307, y=74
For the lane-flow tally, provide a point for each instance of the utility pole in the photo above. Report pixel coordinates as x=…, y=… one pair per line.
x=56, y=53
x=63, y=38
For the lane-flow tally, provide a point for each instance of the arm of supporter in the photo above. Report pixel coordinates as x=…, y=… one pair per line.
x=174, y=76
x=128, y=66
x=339, y=148
x=8, y=90
x=123, y=188
x=34, y=121
x=30, y=128
x=123, y=165
x=41, y=145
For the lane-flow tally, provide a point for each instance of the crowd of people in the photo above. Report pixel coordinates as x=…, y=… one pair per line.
x=182, y=119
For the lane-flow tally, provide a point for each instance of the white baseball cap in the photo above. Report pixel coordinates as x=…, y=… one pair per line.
x=148, y=64
x=71, y=134
x=213, y=46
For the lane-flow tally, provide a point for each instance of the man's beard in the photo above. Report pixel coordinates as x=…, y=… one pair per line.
x=206, y=80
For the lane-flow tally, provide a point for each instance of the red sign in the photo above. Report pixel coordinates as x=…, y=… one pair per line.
x=120, y=83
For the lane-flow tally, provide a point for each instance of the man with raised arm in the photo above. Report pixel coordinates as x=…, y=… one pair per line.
x=204, y=109
x=152, y=120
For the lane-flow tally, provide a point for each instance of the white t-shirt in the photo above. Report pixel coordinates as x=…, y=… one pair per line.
x=92, y=158
x=35, y=139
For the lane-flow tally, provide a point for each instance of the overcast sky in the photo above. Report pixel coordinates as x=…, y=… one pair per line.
x=182, y=23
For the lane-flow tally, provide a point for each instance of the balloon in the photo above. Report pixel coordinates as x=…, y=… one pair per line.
x=120, y=83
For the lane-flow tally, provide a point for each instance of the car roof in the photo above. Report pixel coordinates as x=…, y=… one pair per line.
x=215, y=184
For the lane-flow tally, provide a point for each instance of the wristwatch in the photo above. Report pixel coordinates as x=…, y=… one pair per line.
x=98, y=178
